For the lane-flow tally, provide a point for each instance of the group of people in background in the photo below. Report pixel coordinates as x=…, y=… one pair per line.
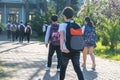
x=56, y=35
x=17, y=32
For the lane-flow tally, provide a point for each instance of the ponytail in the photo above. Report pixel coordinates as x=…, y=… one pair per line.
x=89, y=23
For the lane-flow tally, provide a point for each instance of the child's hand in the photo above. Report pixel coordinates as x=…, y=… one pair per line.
x=46, y=45
x=66, y=51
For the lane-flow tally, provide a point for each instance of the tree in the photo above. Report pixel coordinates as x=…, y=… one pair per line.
x=39, y=19
x=105, y=16
x=60, y=4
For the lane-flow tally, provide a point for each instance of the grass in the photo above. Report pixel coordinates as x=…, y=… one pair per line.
x=104, y=52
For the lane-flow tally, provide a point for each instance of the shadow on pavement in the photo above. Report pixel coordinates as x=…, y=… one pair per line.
x=13, y=48
x=89, y=75
x=39, y=65
x=47, y=76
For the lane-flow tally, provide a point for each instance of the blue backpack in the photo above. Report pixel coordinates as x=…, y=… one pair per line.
x=89, y=35
x=8, y=26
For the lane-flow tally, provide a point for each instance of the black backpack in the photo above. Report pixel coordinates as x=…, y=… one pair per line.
x=22, y=28
x=74, y=38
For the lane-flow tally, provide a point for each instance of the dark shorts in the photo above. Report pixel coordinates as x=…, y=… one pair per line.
x=89, y=45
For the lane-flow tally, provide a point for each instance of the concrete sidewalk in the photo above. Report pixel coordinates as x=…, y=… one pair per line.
x=28, y=62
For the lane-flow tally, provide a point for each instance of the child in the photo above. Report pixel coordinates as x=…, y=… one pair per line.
x=67, y=54
x=90, y=42
x=53, y=34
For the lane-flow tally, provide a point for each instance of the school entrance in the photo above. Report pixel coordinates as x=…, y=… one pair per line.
x=13, y=16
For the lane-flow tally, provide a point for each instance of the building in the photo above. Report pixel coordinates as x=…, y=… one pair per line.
x=17, y=10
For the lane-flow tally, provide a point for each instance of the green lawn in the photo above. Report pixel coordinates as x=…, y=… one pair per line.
x=104, y=52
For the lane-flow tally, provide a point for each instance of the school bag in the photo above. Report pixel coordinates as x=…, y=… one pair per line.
x=89, y=35
x=55, y=35
x=22, y=28
x=13, y=28
x=27, y=29
x=74, y=38
x=8, y=27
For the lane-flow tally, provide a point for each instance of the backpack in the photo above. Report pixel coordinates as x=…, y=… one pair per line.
x=8, y=27
x=74, y=38
x=28, y=30
x=13, y=28
x=22, y=28
x=55, y=35
x=90, y=35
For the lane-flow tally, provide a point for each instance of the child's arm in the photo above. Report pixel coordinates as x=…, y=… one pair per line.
x=62, y=43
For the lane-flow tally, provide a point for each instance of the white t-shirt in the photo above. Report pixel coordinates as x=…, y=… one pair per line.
x=83, y=29
x=44, y=27
x=63, y=26
x=47, y=35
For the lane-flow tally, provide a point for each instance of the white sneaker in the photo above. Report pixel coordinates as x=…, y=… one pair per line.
x=47, y=68
x=58, y=69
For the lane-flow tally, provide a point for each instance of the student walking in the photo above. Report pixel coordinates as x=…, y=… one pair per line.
x=8, y=30
x=21, y=31
x=67, y=52
x=28, y=31
x=13, y=31
x=90, y=42
x=54, y=45
x=17, y=31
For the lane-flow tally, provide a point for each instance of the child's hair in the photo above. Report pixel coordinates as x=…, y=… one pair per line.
x=89, y=23
x=54, y=17
x=68, y=12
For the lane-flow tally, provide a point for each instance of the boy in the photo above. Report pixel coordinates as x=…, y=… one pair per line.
x=54, y=36
x=66, y=53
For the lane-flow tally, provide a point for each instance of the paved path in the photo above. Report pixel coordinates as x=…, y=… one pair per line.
x=28, y=61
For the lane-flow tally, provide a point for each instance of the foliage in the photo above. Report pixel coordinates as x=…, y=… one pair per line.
x=110, y=32
x=104, y=52
x=105, y=17
x=2, y=26
x=39, y=19
x=59, y=5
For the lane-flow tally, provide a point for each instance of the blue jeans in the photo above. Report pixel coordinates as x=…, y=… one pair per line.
x=76, y=64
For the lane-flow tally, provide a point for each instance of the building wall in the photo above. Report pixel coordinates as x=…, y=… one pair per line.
x=14, y=9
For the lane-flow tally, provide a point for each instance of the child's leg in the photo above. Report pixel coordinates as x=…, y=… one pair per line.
x=85, y=51
x=64, y=63
x=92, y=56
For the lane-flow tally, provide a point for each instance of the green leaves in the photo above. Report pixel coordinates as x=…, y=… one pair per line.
x=106, y=19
